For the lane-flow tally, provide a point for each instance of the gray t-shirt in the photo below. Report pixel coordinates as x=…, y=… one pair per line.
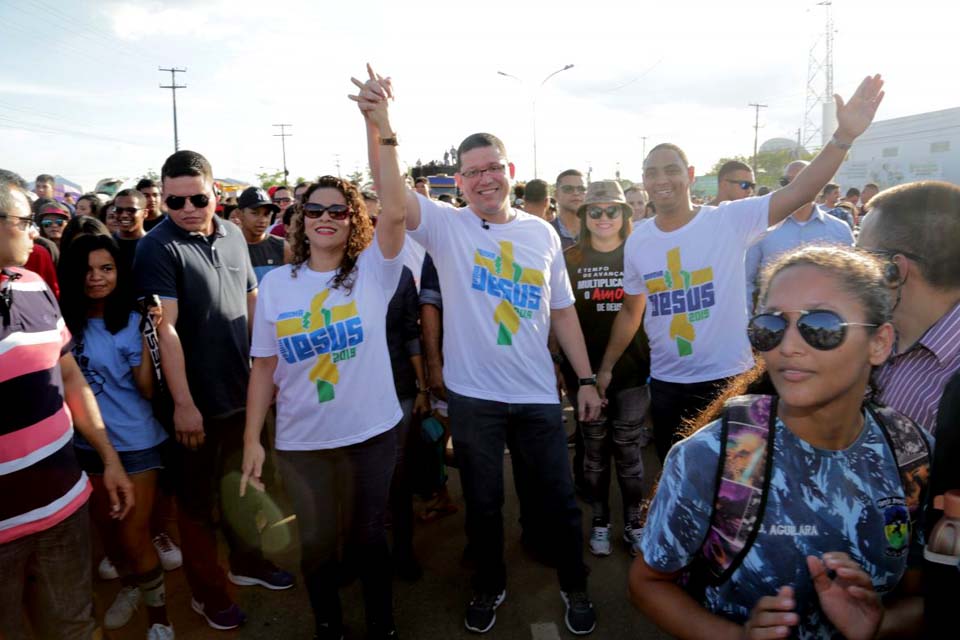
x=210, y=278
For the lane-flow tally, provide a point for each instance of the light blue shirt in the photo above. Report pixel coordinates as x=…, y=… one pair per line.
x=821, y=228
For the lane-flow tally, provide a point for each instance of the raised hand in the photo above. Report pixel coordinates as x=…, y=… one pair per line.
x=846, y=595
x=772, y=616
x=854, y=116
x=373, y=98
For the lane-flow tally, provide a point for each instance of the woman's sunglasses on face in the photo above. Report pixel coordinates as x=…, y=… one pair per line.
x=335, y=211
x=54, y=222
x=821, y=329
x=613, y=212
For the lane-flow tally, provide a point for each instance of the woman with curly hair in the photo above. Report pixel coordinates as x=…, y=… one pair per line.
x=319, y=335
x=805, y=500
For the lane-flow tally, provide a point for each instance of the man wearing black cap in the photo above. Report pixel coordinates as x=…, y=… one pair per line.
x=256, y=211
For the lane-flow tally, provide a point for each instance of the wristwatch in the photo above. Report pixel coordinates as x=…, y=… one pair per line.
x=389, y=140
x=586, y=382
x=843, y=146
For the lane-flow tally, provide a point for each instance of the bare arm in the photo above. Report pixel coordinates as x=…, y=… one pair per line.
x=251, y=308
x=565, y=325
x=853, y=118
x=259, y=397
x=430, y=324
x=186, y=417
x=88, y=421
x=143, y=372
x=658, y=596
x=625, y=327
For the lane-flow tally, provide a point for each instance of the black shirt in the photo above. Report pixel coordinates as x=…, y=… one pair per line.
x=266, y=255
x=149, y=224
x=128, y=248
x=403, y=334
x=597, y=281
x=209, y=277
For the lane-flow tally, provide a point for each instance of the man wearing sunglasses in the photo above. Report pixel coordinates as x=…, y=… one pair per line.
x=808, y=224
x=734, y=182
x=684, y=278
x=915, y=229
x=200, y=267
x=571, y=189
x=129, y=208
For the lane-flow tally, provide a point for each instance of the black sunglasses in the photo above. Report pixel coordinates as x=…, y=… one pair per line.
x=573, y=188
x=199, y=200
x=784, y=181
x=131, y=210
x=335, y=211
x=821, y=329
x=746, y=185
x=613, y=212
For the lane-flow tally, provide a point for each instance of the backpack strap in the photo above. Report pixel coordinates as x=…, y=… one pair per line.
x=743, y=479
x=911, y=451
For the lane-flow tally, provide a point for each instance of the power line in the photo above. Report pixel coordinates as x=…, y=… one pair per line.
x=173, y=86
x=283, y=135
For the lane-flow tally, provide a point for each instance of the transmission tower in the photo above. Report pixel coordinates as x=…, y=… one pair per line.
x=173, y=86
x=819, y=83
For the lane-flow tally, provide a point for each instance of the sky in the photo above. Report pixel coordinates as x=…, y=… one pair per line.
x=80, y=96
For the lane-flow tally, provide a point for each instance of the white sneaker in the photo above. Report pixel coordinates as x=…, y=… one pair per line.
x=160, y=632
x=169, y=552
x=632, y=537
x=123, y=608
x=106, y=570
x=600, y=539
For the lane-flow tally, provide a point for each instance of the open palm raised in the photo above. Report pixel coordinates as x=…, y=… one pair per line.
x=855, y=115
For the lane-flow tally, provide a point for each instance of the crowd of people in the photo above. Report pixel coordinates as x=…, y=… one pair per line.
x=795, y=355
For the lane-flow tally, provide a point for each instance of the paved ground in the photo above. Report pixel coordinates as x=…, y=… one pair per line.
x=433, y=607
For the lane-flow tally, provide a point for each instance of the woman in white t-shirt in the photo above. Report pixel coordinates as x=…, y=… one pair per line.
x=319, y=335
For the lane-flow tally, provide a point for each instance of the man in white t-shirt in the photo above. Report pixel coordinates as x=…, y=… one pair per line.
x=505, y=287
x=683, y=273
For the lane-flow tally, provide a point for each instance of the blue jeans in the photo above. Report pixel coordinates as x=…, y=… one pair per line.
x=480, y=430
x=52, y=569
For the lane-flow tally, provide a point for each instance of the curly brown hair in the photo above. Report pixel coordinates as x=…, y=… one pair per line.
x=360, y=237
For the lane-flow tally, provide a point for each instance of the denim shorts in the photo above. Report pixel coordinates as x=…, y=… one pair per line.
x=133, y=461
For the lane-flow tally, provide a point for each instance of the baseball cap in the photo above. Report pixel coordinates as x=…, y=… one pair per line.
x=255, y=197
x=52, y=207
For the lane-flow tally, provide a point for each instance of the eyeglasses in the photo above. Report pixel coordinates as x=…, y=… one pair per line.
x=51, y=222
x=335, y=211
x=282, y=200
x=199, y=200
x=821, y=329
x=613, y=212
x=784, y=181
x=21, y=222
x=572, y=188
x=122, y=210
x=746, y=185
x=494, y=170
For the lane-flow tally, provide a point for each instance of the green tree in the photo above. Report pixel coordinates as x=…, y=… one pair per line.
x=269, y=179
x=770, y=165
x=356, y=177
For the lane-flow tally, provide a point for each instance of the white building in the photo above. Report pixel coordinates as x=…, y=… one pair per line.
x=925, y=146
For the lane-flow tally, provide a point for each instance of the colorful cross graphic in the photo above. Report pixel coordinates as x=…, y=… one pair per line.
x=504, y=266
x=681, y=329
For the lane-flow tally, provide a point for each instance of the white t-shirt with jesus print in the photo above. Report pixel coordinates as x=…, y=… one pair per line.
x=696, y=316
x=333, y=368
x=498, y=286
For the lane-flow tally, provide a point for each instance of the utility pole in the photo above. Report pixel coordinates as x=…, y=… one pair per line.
x=756, y=131
x=173, y=86
x=283, y=135
x=644, y=138
x=337, y=156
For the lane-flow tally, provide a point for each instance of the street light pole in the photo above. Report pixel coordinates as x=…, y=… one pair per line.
x=535, y=95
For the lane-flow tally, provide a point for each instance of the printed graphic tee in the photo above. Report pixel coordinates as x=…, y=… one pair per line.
x=333, y=367
x=696, y=317
x=499, y=284
x=818, y=501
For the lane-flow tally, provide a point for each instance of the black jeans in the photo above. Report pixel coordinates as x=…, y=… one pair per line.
x=354, y=482
x=207, y=480
x=480, y=429
x=401, y=489
x=618, y=434
x=673, y=403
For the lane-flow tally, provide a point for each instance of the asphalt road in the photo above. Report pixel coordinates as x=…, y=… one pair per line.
x=433, y=607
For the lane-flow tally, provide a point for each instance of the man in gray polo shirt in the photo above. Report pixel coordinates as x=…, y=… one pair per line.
x=200, y=268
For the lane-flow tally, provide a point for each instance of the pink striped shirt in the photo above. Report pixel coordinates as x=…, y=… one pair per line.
x=912, y=382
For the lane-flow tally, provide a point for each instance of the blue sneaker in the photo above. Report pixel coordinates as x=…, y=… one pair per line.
x=230, y=618
x=265, y=574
